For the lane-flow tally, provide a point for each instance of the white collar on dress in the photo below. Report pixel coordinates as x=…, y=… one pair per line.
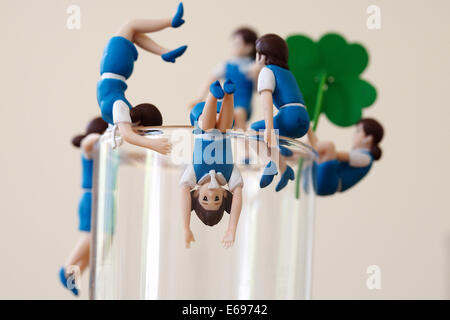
x=217, y=179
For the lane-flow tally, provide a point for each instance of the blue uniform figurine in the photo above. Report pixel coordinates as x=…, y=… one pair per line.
x=203, y=182
x=338, y=176
x=241, y=70
x=117, y=65
x=79, y=259
x=238, y=70
x=340, y=171
x=292, y=119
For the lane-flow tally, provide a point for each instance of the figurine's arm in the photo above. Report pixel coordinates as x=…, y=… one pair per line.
x=267, y=103
x=236, y=207
x=160, y=145
x=343, y=156
x=186, y=214
x=266, y=87
x=87, y=144
x=312, y=138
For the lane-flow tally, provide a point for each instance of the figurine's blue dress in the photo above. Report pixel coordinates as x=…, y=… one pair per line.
x=292, y=119
x=85, y=205
x=338, y=176
x=116, y=66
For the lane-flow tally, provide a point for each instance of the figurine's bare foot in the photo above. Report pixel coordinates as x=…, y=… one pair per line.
x=228, y=239
x=188, y=238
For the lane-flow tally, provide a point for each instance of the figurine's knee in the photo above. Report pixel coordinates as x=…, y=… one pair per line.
x=326, y=150
x=128, y=30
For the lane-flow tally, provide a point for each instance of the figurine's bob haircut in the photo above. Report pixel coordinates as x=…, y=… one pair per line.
x=96, y=125
x=211, y=217
x=274, y=48
x=249, y=36
x=373, y=128
x=144, y=114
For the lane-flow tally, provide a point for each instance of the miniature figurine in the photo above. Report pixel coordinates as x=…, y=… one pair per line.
x=338, y=171
x=278, y=86
x=143, y=114
x=212, y=166
x=80, y=254
x=117, y=66
x=242, y=70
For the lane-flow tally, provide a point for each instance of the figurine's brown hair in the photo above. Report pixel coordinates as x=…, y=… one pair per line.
x=274, y=48
x=211, y=217
x=96, y=125
x=373, y=128
x=146, y=114
x=249, y=36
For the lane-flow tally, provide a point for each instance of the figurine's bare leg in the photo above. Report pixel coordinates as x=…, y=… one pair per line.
x=135, y=31
x=240, y=119
x=226, y=114
x=273, y=154
x=240, y=123
x=80, y=254
x=208, y=118
x=326, y=150
x=148, y=44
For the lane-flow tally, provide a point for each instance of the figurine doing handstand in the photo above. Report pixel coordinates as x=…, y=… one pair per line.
x=117, y=66
x=338, y=171
x=278, y=86
x=212, y=166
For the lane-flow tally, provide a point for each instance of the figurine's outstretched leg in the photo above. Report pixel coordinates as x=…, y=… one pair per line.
x=326, y=151
x=226, y=115
x=135, y=31
x=79, y=257
x=208, y=118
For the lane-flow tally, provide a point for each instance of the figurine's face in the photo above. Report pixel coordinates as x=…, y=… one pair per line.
x=239, y=48
x=360, y=139
x=210, y=199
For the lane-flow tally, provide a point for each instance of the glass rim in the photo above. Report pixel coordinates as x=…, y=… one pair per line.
x=301, y=145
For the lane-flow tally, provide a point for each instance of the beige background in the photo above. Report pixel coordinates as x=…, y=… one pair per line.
x=398, y=218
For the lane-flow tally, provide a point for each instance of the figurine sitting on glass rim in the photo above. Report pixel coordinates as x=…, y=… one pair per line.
x=278, y=86
x=117, y=66
x=338, y=171
x=212, y=166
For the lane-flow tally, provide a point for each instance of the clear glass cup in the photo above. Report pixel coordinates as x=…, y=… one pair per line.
x=138, y=250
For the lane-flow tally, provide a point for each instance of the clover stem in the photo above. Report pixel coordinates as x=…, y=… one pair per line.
x=319, y=100
x=317, y=112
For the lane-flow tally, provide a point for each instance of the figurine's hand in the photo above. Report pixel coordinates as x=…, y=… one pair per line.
x=228, y=238
x=188, y=238
x=161, y=145
x=270, y=138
